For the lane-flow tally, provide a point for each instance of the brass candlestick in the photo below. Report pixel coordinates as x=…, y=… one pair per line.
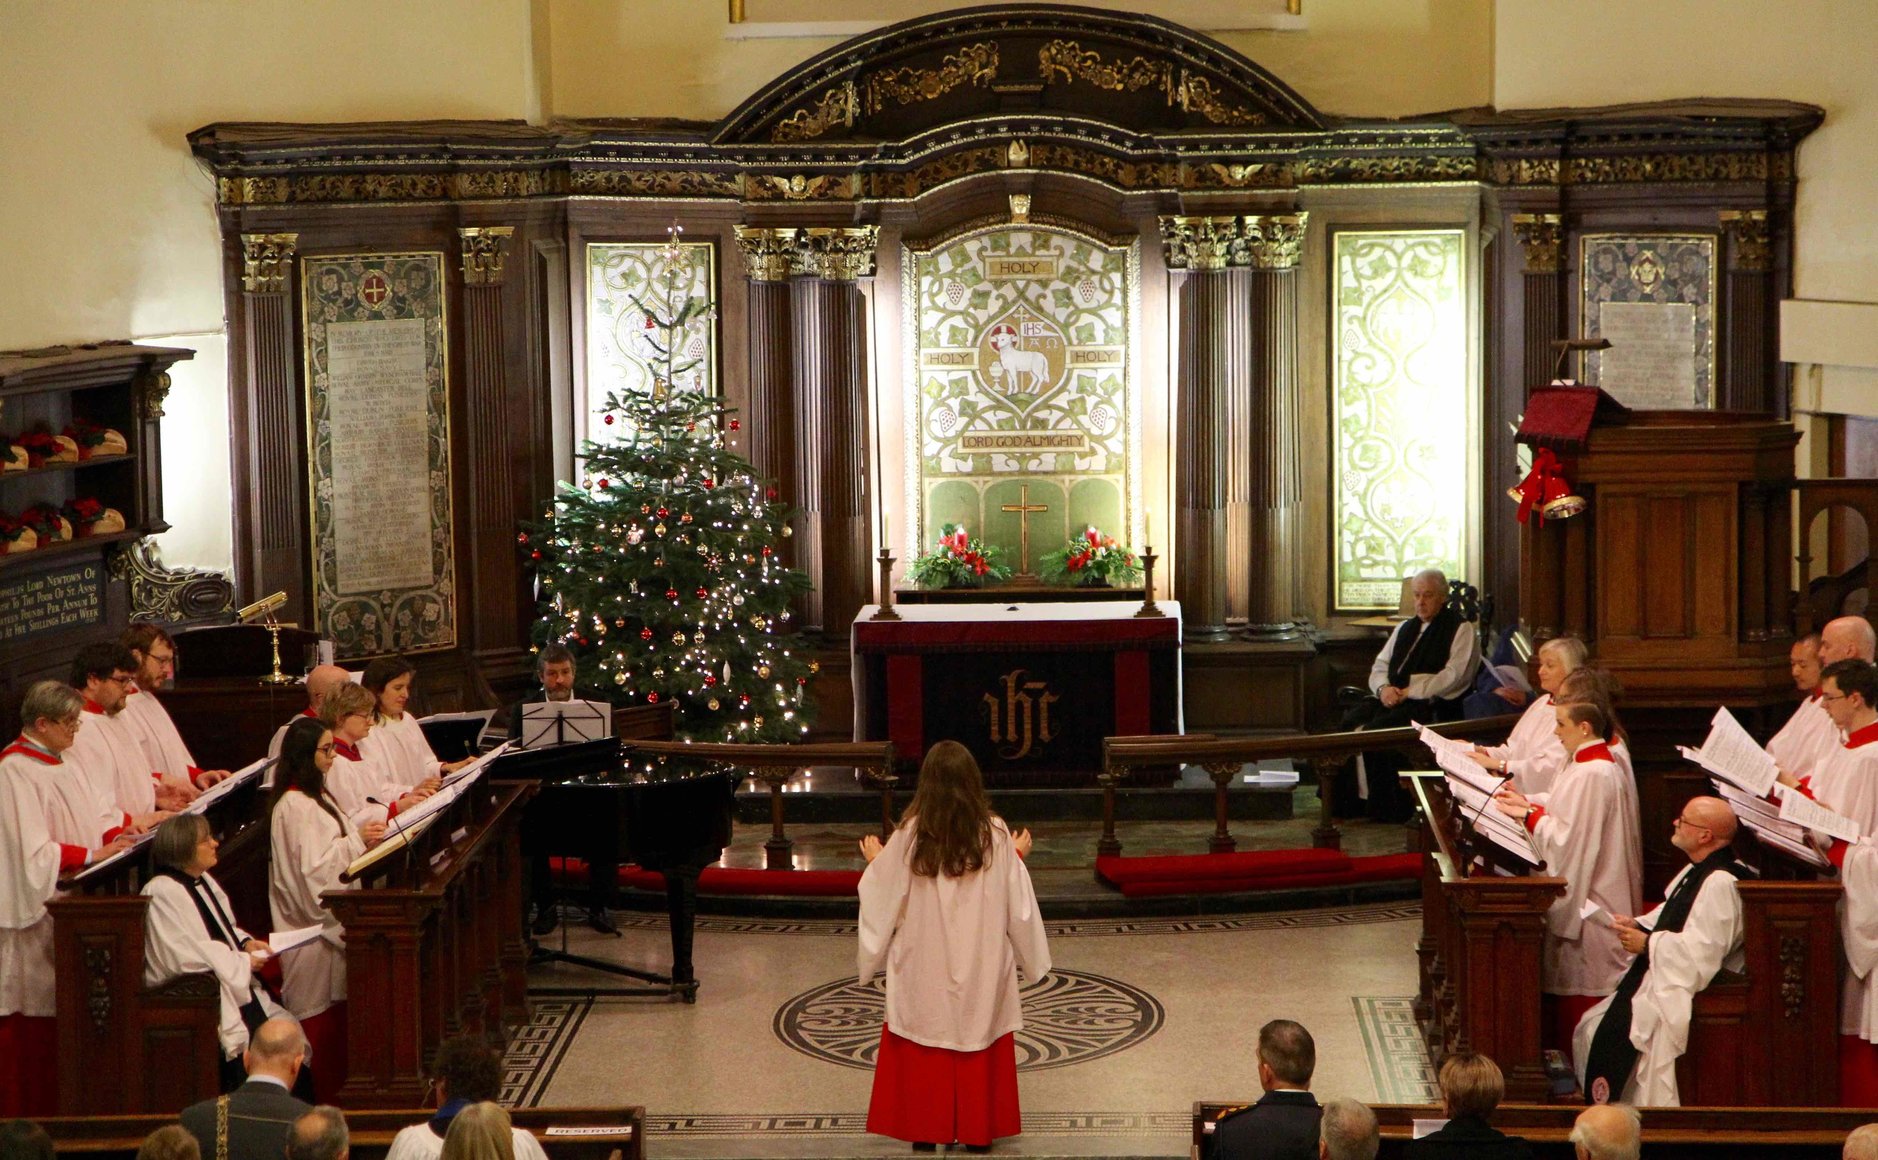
x=885, y=611
x=276, y=677
x=1148, y=607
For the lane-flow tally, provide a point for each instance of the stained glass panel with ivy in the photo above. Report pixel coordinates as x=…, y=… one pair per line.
x=1400, y=409
x=620, y=347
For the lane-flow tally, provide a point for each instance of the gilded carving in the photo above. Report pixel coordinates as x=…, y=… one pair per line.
x=153, y=387
x=484, y=250
x=799, y=187
x=975, y=64
x=1197, y=95
x=654, y=183
x=1219, y=175
x=771, y=255
x=1753, y=244
x=267, y=260
x=935, y=173
x=840, y=253
x=168, y=594
x=251, y=190
x=1272, y=241
x=490, y=183
x=1542, y=237
x=1792, y=975
x=370, y=187
x=1396, y=168
x=98, y=992
x=1645, y=167
x=1018, y=155
x=1199, y=243
x=1523, y=171
x=1020, y=207
x=837, y=106
x=1071, y=61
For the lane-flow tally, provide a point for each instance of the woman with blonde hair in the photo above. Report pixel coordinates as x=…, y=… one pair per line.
x=947, y=910
x=481, y=1131
x=1532, y=756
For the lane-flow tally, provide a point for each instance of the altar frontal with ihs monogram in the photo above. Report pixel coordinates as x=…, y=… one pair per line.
x=1022, y=387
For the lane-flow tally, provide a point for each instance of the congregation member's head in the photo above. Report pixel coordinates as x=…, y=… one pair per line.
x=1559, y=658
x=555, y=667
x=1803, y=662
x=170, y=1142
x=349, y=712
x=1849, y=693
x=25, y=1140
x=104, y=672
x=320, y=683
x=276, y=1050
x=1862, y=1144
x=389, y=679
x=950, y=814
x=1471, y=1085
x=1608, y=1132
x=1847, y=638
x=1347, y=1131
x=1705, y=825
x=1287, y=1056
x=51, y=714
x=466, y=1068
x=185, y=844
x=320, y=1134
x=1429, y=592
x=155, y=653
x=481, y=1131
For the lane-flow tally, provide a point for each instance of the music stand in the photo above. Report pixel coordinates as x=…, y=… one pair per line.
x=549, y=723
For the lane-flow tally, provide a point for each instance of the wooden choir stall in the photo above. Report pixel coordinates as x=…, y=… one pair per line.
x=433, y=949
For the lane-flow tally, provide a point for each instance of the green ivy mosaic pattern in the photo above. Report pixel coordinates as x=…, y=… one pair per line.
x=620, y=354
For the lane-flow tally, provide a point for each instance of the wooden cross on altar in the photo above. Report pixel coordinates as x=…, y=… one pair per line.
x=1023, y=507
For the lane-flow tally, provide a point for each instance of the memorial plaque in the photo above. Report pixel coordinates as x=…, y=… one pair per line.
x=1653, y=296
x=55, y=599
x=378, y=414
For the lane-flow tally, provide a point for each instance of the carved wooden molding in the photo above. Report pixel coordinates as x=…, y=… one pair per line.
x=484, y=250
x=267, y=262
x=153, y=388
x=1792, y=975
x=1753, y=242
x=1542, y=238
x=1257, y=241
x=169, y=594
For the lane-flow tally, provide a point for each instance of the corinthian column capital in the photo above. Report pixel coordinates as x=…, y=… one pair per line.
x=1199, y=243
x=840, y=254
x=769, y=254
x=267, y=260
x=484, y=250
x=1272, y=241
x=1542, y=236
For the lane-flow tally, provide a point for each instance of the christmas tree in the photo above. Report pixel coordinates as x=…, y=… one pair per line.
x=660, y=570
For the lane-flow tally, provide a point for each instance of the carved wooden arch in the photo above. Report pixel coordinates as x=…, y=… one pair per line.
x=1136, y=73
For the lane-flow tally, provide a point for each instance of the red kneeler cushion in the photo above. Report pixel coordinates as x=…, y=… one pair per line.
x=1252, y=870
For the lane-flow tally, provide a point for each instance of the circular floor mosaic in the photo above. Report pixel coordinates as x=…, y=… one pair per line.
x=1069, y=1017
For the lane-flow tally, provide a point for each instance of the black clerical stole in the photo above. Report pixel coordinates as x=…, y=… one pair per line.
x=221, y=928
x=1613, y=1056
x=1423, y=648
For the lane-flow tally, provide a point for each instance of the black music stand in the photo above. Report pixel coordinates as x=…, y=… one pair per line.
x=562, y=763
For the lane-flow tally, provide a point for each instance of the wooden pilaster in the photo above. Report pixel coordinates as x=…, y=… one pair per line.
x=1274, y=483
x=275, y=434
x=1745, y=365
x=493, y=567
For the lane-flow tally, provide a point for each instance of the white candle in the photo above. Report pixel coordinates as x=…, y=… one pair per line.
x=1147, y=525
x=886, y=538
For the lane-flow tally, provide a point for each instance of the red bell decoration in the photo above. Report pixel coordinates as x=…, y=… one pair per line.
x=1546, y=489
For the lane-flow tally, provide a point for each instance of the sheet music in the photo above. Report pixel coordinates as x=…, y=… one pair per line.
x=482, y=715
x=226, y=786
x=282, y=941
x=1762, y=817
x=1798, y=808
x=1453, y=758
x=137, y=842
x=401, y=830
x=1477, y=809
x=1728, y=751
x=477, y=765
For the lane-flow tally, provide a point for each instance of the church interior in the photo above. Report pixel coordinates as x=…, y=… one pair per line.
x=704, y=408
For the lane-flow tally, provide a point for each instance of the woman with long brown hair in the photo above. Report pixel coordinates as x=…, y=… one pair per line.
x=947, y=910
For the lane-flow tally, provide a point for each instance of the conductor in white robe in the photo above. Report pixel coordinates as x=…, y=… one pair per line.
x=50, y=823
x=1627, y=1046
x=1588, y=833
x=947, y=910
x=190, y=929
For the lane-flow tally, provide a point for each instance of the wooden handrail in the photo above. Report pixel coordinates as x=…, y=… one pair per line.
x=1221, y=757
x=774, y=765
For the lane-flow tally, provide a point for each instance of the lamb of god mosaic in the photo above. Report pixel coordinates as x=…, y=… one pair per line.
x=1022, y=381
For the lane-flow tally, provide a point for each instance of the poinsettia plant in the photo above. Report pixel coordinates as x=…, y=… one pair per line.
x=40, y=446
x=957, y=561
x=84, y=510
x=1091, y=558
x=11, y=529
x=45, y=520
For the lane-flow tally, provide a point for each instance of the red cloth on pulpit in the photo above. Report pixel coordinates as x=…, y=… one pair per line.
x=1559, y=416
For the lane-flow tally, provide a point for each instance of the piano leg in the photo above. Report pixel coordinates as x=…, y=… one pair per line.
x=681, y=904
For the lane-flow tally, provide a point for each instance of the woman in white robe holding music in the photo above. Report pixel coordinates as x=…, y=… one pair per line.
x=1532, y=757
x=313, y=842
x=358, y=780
x=397, y=741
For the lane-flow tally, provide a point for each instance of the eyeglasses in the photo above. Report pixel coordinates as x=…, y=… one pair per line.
x=1681, y=821
x=1834, y=696
x=120, y=678
x=326, y=748
x=162, y=658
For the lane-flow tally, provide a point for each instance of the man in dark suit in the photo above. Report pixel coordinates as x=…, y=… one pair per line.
x=555, y=669
x=1283, y=1124
x=253, y=1120
x=1471, y=1087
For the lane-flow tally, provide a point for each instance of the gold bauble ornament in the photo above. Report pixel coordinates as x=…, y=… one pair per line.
x=762, y=671
x=712, y=704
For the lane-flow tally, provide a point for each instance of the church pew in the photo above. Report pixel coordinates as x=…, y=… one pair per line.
x=613, y=1133
x=1686, y=1133
x=774, y=765
x=1223, y=757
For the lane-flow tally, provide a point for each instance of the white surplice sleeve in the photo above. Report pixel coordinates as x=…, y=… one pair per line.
x=29, y=857
x=1023, y=923
x=1379, y=672
x=883, y=890
x=1457, y=675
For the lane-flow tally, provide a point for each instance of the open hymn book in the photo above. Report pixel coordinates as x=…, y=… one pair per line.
x=1472, y=788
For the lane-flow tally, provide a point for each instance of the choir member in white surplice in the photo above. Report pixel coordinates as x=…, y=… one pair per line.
x=397, y=742
x=313, y=841
x=1587, y=833
x=357, y=780
x=1809, y=733
x=50, y=823
x=190, y=929
x=108, y=749
x=1532, y=756
x=320, y=680
x=163, y=746
x=947, y=910
x=1627, y=1046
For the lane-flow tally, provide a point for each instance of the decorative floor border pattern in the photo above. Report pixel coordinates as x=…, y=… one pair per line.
x=1359, y=914
x=1398, y=1056
x=535, y=1052
x=855, y=1124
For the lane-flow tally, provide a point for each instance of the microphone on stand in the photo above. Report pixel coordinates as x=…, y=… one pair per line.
x=391, y=819
x=1474, y=822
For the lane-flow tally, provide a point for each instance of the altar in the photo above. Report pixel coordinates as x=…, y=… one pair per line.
x=1030, y=688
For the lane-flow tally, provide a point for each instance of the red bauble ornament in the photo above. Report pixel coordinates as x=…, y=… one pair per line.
x=604, y=484
x=664, y=511
x=650, y=325
x=802, y=680
x=691, y=426
x=703, y=592
x=735, y=426
x=766, y=550
x=645, y=634
x=708, y=485
x=535, y=555
x=671, y=594
x=580, y=640
x=608, y=420
x=770, y=492
x=521, y=537
x=710, y=678
x=652, y=698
